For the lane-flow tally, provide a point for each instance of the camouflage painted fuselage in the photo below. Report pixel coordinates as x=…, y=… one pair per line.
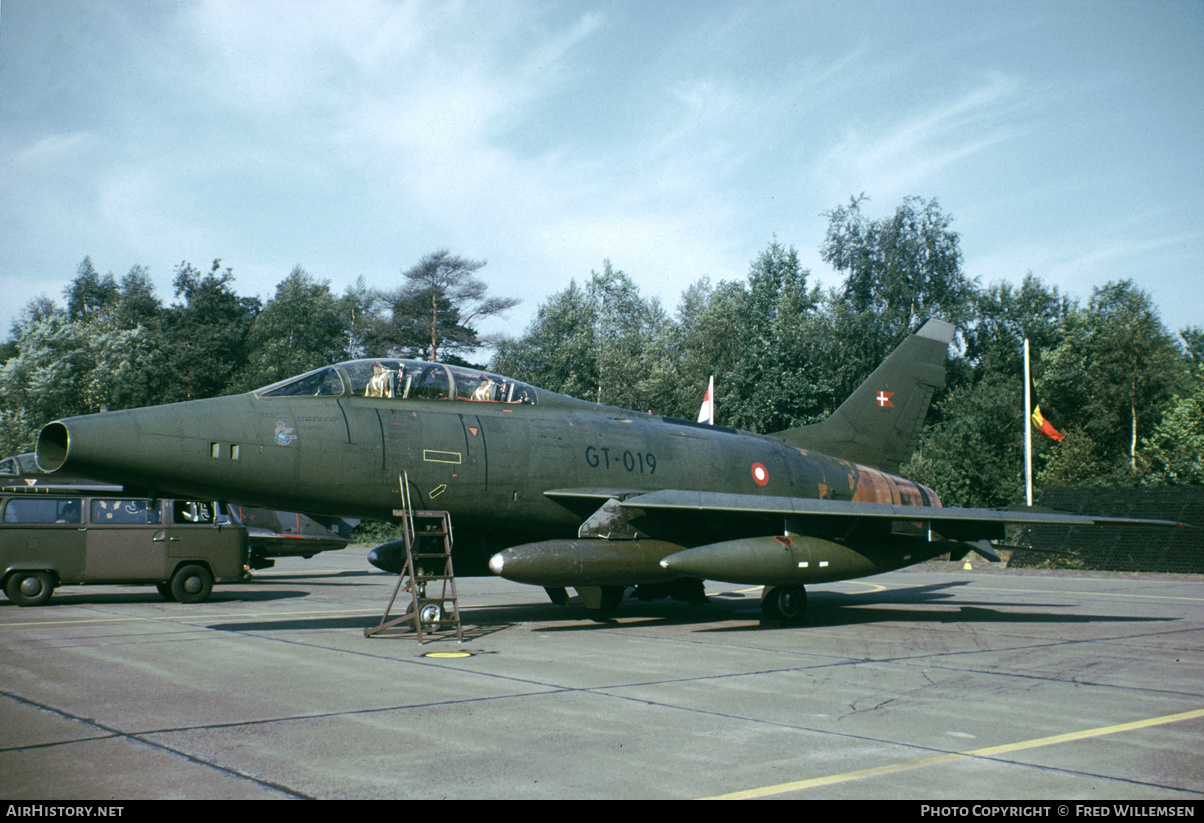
x=490, y=464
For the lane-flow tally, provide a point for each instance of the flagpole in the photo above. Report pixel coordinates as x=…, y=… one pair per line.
x=1028, y=431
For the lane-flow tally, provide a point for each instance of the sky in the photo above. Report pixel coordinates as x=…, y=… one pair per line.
x=676, y=140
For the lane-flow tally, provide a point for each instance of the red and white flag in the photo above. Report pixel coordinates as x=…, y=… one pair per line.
x=707, y=413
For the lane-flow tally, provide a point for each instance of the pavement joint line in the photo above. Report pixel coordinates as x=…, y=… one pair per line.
x=267, y=721
x=1031, y=646
x=988, y=752
x=136, y=737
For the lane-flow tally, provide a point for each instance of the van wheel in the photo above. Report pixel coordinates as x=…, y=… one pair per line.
x=165, y=590
x=191, y=584
x=29, y=588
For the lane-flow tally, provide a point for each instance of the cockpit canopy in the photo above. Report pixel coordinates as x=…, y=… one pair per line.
x=402, y=380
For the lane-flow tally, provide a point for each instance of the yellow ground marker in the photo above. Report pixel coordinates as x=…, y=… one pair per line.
x=893, y=768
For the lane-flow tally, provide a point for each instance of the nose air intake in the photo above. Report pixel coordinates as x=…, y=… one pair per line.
x=54, y=442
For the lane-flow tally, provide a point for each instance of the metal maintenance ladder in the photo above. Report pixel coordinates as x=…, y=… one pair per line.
x=428, y=540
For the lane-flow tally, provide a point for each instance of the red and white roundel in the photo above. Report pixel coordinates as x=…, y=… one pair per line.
x=760, y=474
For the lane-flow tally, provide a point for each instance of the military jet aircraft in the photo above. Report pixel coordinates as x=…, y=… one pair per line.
x=558, y=492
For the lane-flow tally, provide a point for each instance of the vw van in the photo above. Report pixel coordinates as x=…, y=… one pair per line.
x=55, y=538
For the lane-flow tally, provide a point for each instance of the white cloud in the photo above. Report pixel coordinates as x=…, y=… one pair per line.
x=897, y=159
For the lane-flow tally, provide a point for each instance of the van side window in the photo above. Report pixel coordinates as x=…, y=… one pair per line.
x=126, y=512
x=191, y=512
x=35, y=510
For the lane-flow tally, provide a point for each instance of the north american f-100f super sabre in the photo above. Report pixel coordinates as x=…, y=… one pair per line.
x=557, y=492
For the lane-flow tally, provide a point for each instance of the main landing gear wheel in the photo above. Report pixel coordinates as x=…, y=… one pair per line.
x=191, y=584
x=785, y=603
x=29, y=588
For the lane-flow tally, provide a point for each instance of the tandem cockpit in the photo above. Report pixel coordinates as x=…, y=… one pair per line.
x=403, y=380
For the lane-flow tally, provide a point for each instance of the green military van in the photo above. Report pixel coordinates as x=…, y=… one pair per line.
x=50, y=538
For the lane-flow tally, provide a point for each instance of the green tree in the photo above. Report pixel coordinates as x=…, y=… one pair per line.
x=356, y=306
x=973, y=454
x=1004, y=316
x=1114, y=372
x=435, y=307
x=1193, y=346
x=89, y=293
x=779, y=379
x=66, y=367
x=1175, y=449
x=556, y=352
x=590, y=342
x=137, y=304
x=972, y=448
x=901, y=270
x=205, y=337
x=301, y=327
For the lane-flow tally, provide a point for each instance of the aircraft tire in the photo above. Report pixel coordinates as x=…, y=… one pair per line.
x=430, y=613
x=29, y=588
x=785, y=603
x=191, y=584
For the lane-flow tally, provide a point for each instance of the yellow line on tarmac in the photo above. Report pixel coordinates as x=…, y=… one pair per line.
x=873, y=587
x=893, y=768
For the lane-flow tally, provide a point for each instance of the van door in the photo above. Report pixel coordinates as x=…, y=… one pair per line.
x=196, y=532
x=45, y=532
x=127, y=541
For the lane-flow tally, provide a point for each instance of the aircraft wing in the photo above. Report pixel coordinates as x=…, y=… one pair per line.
x=951, y=522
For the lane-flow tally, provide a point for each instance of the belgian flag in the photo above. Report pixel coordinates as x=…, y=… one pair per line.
x=1044, y=426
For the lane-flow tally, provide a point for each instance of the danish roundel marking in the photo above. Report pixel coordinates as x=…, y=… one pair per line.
x=760, y=474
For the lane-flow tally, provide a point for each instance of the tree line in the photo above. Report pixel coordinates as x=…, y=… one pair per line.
x=1127, y=394
x=115, y=345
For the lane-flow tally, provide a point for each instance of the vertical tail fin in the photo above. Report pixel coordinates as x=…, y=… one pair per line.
x=879, y=424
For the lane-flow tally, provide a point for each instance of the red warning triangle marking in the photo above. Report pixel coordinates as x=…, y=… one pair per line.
x=473, y=429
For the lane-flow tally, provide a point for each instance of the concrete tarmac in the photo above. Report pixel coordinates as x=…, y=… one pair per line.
x=927, y=684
